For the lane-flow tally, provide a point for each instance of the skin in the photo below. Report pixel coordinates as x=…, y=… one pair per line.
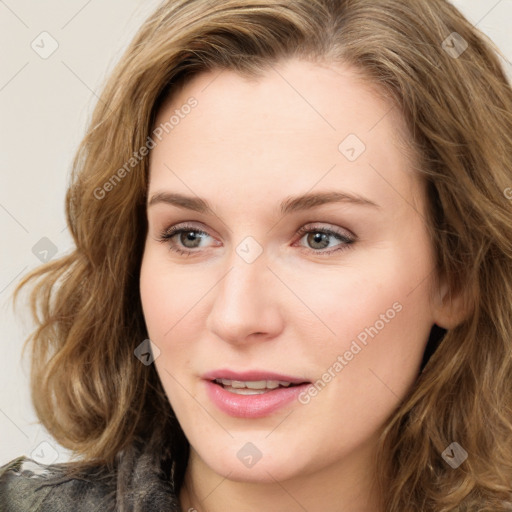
x=248, y=145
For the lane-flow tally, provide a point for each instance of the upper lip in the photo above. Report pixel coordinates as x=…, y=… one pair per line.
x=251, y=375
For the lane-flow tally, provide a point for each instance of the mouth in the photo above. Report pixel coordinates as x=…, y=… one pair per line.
x=253, y=394
x=254, y=387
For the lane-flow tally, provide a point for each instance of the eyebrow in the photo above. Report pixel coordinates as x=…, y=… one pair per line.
x=289, y=205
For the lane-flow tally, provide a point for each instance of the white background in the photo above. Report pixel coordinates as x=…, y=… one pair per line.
x=45, y=105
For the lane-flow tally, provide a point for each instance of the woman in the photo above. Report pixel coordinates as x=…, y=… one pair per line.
x=303, y=205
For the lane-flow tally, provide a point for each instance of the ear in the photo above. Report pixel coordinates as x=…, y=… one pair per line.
x=449, y=309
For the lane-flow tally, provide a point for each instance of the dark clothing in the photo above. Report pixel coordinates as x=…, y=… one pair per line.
x=26, y=486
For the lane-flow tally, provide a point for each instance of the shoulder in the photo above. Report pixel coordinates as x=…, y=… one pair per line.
x=138, y=482
x=26, y=485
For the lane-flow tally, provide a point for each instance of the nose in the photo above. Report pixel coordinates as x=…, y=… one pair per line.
x=246, y=306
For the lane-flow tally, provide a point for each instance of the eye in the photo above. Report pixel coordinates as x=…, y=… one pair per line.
x=185, y=239
x=189, y=236
x=319, y=238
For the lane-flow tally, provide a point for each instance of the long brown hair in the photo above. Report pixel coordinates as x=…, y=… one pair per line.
x=96, y=398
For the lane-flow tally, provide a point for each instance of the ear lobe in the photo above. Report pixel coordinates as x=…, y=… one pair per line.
x=450, y=309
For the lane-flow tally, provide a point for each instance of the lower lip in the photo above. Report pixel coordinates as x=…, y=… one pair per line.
x=252, y=406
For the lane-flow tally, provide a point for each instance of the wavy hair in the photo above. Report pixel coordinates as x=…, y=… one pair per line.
x=96, y=398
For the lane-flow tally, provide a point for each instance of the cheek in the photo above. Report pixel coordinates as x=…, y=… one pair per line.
x=166, y=294
x=376, y=316
x=385, y=287
x=166, y=302
x=153, y=297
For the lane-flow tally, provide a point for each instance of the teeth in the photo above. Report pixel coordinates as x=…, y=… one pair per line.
x=245, y=391
x=253, y=385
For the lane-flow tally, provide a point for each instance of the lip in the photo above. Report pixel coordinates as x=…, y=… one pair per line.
x=252, y=406
x=251, y=375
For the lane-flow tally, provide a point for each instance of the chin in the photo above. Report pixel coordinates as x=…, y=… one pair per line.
x=265, y=470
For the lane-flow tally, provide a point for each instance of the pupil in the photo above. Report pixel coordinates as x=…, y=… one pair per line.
x=191, y=237
x=317, y=239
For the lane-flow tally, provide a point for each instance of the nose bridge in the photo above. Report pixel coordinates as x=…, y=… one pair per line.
x=247, y=266
x=244, y=301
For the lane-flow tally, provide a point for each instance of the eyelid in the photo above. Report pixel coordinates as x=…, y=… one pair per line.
x=182, y=226
x=305, y=227
x=342, y=232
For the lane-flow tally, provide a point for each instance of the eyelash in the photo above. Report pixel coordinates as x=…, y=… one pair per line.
x=167, y=235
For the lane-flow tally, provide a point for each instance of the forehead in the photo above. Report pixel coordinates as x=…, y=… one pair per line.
x=297, y=126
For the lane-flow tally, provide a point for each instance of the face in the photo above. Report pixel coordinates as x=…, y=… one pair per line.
x=328, y=298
